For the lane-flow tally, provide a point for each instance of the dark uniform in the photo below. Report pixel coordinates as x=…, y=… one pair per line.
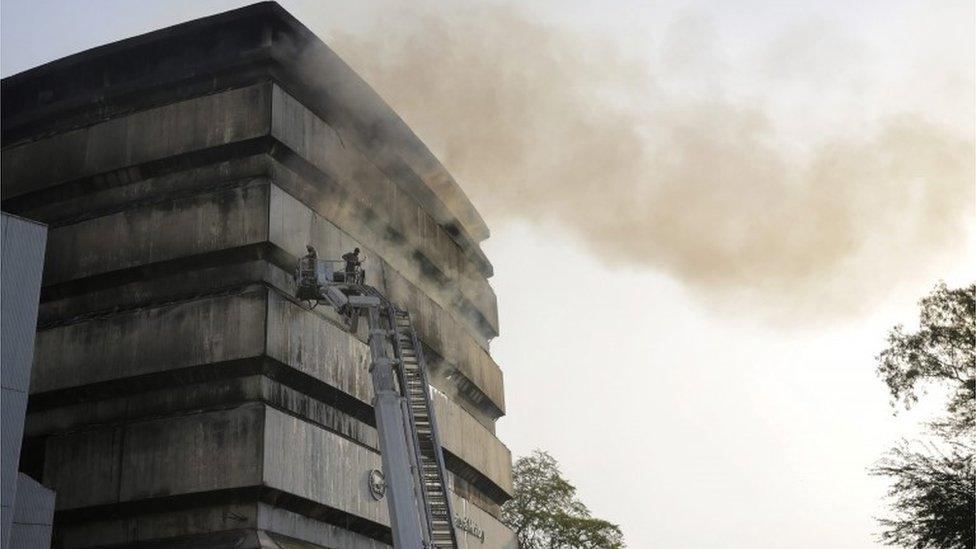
x=353, y=266
x=305, y=275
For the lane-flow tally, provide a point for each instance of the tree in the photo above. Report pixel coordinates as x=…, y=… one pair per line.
x=933, y=493
x=933, y=496
x=940, y=352
x=545, y=513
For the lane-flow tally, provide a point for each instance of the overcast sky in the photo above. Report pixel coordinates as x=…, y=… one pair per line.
x=705, y=216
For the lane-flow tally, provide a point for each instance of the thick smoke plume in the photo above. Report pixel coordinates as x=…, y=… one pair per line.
x=542, y=125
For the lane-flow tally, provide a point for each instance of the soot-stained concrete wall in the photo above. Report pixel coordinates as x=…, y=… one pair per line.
x=181, y=396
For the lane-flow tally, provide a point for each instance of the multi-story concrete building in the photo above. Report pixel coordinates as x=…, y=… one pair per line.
x=181, y=397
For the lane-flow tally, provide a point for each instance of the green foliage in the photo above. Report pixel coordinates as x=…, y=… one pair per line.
x=545, y=513
x=933, y=495
x=940, y=352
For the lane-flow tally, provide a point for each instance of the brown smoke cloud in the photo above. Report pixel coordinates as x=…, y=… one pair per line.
x=542, y=125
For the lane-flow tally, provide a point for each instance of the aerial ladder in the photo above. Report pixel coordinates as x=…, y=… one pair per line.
x=413, y=464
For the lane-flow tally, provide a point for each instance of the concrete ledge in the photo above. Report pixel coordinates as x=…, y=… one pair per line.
x=215, y=220
x=198, y=332
x=307, y=461
x=465, y=437
x=141, y=137
x=155, y=458
x=215, y=525
x=290, y=530
x=251, y=524
x=495, y=534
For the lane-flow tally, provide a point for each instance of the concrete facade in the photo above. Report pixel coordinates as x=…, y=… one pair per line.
x=26, y=507
x=181, y=397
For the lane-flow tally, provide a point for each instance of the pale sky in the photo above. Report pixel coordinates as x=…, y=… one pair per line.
x=679, y=410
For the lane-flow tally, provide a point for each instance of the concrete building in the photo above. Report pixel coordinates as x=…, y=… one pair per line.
x=26, y=507
x=181, y=397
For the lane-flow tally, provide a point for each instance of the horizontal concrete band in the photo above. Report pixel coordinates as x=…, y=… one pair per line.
x=218, y=386
x=124, y=145
x=239, y=325
x=177, y=518
x=151, y=463
x=242, y=519
x=249, y=213
x=80, y=537
x=229, y=50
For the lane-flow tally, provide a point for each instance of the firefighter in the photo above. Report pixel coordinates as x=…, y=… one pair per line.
x=306, y=269
x=311, y=257
x=353, y=266
x=308, y=287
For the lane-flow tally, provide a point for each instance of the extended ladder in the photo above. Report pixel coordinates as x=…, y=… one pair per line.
x=413, y=463
x=427, y=446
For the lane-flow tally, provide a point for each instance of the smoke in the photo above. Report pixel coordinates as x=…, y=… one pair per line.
x=659, y=163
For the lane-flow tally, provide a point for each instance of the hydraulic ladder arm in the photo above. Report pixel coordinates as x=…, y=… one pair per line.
x=413, y=463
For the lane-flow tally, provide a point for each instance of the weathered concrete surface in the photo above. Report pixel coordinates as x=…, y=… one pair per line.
x=133, y=343
x=280, y=523
x=124, y=406
x=495, y=533
x=303, y=459
x=136, y=139
x=238, y=526
x=154, y=526
x=317, y=347
x=469, y=440
x=157, y=458
x=194, y=453
x=217, y=220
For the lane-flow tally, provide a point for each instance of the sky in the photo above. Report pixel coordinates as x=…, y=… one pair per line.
x=705, y=217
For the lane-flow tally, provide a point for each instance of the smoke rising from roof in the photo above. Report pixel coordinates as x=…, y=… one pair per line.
x=656, y=165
